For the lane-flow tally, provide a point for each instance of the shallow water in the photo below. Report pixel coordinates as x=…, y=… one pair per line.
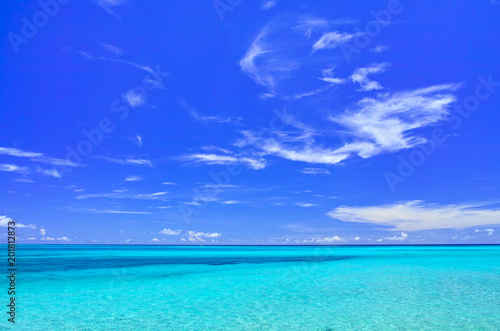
x=79, y=287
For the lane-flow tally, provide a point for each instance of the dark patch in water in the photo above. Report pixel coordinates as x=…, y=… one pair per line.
x=65, y=264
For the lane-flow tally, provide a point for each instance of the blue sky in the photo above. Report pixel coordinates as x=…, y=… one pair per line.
x=248, y=122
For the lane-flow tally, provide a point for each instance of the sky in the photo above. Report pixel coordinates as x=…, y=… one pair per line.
x=250, y=122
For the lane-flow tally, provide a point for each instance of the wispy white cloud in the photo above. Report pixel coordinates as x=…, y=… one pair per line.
x=4, y=222
x=126, y=160
x=169, y=183
x=49, y=172
x=231, y=202
x=328, y=76
x=379, y=48
x=315, y=171
x=133, y=178
x=385, y=123
x=192, y=203
x=134, y=98
x=37, y=157
x=115, y=59
x=305, y=205
x=489, y=232
x=255, y=163
x=124, y=195
x=417, y=215
x=110, y=5
x=23, y=180
x=109, y=211
x=218, y=186
x=333, y=39
x=138, y=140
x=207, y=119
x=117, y=51
x=329, y=239
x=11, y=151
x=267, y=4
x=198, y=236
x=307, y=25
x=25, y=170
x=401, y=237
x=360, y=76
x=13, y=168
x=170, y=232
x=321, y=240
x=261, y=64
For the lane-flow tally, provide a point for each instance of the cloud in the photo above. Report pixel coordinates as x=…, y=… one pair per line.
x=328, y=76
x=117, y=59
x=25, y=170
x=380, y=49
x=123, y=195
x=49, y=172
x=264, y=65
x=402, y=237
x=133, y=178
x=23, y=180
x=110, y=5
x=308, y=25
x=315, y=171
x=37, y=157
x=417, y=215
x=219, y=186
x=126, y=161
x=302, y=149
x=107, y=211
x=333, y=39
x=255, y=163
x=138, y=140
x=384, y=123
x=169, y=183
x=117, y=51
x=329, y=239
x=18, y=152
x=360, y=76
x=42, y=232
x=206, y=119
x=305, y=205
x=248, y=65
x=192, y=203
x=199, y=235
x=134, y=98
x=4, y=222
x=170, y=232
x=13, y=168
x=268, y=4
x=231, y=202
x=324, y=240
x=489, y=231
x=155, y=239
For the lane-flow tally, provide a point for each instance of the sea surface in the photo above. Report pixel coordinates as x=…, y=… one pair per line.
x=101, y=287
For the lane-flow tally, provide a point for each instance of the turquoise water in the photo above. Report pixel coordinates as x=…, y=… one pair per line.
x=73, y=287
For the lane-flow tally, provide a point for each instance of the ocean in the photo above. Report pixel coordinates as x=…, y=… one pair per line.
x=129, y=287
